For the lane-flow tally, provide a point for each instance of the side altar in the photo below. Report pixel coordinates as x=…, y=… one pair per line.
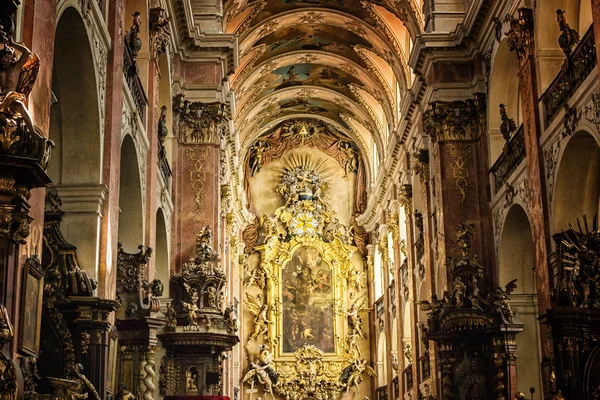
x=200, y=328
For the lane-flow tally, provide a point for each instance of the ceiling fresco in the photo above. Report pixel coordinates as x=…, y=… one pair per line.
x=274, y=7
x=332, y=60
x=330, y=39
x=309, y=74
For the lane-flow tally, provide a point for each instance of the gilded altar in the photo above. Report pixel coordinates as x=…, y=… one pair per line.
x=305, y=297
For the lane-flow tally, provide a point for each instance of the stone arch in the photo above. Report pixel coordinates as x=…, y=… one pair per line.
x=516, y=260
x=382, y=356
x=131, y=219
x=503, y=89
x=577, y=187
x=551, y=57
x=76, y=129
x=516, y=252
x=161, y=251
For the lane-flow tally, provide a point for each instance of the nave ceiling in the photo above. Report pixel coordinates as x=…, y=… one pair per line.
x=342, y=62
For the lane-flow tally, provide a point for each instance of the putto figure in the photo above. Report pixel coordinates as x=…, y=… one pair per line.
x=17, y=77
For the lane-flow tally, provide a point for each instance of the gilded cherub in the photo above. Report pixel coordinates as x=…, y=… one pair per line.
x=17, y=77
x=352, y=374
x=191, y=307
x=261, y=315
x=354, y=320
x=261, y=370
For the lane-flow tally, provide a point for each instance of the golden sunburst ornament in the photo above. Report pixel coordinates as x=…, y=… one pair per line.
x=304, y=223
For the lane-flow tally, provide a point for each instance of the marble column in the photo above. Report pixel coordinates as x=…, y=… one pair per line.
x=521, y=41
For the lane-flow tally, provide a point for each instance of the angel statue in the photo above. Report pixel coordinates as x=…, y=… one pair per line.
x=355, y=322
x=17, y=77
x=352, y=374
x=191, y=307
x=261, y=315
x=262, y=371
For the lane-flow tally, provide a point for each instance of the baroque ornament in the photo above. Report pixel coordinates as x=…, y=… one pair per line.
x=307, y=328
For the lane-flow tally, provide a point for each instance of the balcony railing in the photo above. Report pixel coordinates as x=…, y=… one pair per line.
x=425, y=367
x=581, y=63
x=163, y=165
x=134, y=83
x=509, y=160
x=392, y=292
x=408, y=378
x=382, y=393
x=396, y=388
x=379, y=307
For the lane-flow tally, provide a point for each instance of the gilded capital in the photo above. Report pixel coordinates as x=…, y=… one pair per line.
x=520, y=36
x=420, y=164
x=198, y=122
x=456, y=120
x=405, y=197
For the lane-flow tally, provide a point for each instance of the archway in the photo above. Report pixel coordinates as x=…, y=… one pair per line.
x=131, y=219
x=381, y=360
x=516, y=260
x=75, y=129
x=503, y=89
x=577, y=185
x=161, y=252
x=550, y=56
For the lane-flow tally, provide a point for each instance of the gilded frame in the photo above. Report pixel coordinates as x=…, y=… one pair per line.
x=338, y=256
x=31, y=306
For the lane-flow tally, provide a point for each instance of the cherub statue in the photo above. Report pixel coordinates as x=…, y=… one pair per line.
x=163, y=131
x=460, y=290
x=171, y=316
x=464, y=234
x=351, y=163
x=191, y=307
x=354, y=320
x=408, y=352
x=508, y=126
x=132, y=37
x=256, y=156
x=352, y=374
x=212, y=296
x=6, y=328
x=261, y=315
x=17, y=77
x=87, y=386
x=569, y=37
x=262, y=371
x=204, y=248
x=124, y=394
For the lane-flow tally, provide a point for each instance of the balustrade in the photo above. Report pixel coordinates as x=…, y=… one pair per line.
x=509, y=160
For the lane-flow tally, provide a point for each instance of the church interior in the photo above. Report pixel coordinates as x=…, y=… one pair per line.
x=299, y=199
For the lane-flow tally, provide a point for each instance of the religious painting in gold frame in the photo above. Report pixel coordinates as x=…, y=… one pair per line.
x=308, y=300
x=306, y=291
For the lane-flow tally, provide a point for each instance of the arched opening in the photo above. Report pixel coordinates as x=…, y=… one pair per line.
x=516, y=252
x=381, y=360
x=577, y=182
x=131, y=219
x=75, y=129
x=504, y=89
x=161, y=252
x=550, y=56
x=516, y=260
x=394, y=344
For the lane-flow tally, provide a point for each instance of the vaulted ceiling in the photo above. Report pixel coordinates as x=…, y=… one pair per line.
x=343, y=62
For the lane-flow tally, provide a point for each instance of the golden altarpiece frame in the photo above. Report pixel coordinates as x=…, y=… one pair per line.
x=306, y=297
